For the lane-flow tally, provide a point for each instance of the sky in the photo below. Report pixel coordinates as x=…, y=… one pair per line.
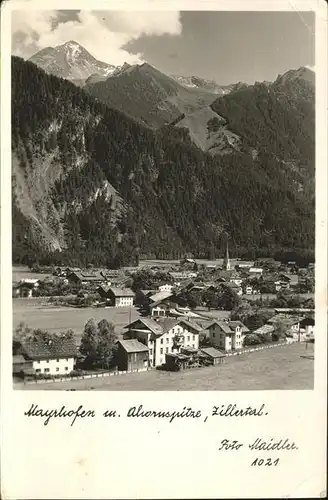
x=227, y=47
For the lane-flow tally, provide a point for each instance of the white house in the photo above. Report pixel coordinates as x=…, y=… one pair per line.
x=165, y=287
x=256, y=271
x=121, y=297
x=227, y=335
x=164, y=336
x=52, y=357
x=26, y=287
x=162, y=308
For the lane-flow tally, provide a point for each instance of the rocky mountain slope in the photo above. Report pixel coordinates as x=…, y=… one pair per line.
x=91, y=184
x=148, y=95
x=72, y=62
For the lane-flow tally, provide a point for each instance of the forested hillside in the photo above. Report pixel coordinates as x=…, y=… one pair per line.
x=278, y=120
x=148, y=95
x=90, y=185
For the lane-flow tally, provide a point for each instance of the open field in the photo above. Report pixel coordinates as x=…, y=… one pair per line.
x=290, y=367
x=56, y=319
x=23, y=272
x=158, y=262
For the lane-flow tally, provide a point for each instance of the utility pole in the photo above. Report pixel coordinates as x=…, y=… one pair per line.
x=299, y=326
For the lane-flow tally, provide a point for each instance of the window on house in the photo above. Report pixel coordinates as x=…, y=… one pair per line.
x=166, y=349
x=161, y=350
x=194, y=338
x=150, y=352
x=47, y=360
x=161, y=341
x=38, y=370
x=66, y=368
x=66, y=359
x=57, y=369
x=57, y=360
x=188, y=338
x=46, y=370
x=167, y=340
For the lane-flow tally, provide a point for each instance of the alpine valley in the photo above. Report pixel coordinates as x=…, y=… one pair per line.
x=111, y=164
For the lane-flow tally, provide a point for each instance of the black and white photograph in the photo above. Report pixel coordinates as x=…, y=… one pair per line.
x=163, y=200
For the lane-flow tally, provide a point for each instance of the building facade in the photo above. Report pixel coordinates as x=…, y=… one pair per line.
x=227, y=335
x=164, y=336
x=55, y=366
x=132, y=355
x=121, y=297
x=51, y=356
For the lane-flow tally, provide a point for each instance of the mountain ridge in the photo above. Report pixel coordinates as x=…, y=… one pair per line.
x=91, y=184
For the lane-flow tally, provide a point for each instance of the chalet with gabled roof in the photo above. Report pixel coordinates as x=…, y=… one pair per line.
x=227, y=335
x=120, y=297
x=164, y=336
x=54, y=356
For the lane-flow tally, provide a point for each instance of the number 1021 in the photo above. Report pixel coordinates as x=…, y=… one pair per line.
x=265, y=462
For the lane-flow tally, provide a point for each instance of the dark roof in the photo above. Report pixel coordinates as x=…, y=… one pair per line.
x=160, y=296
x=265, y=329
x=19, y=359
x=104, y=288
x=212, y=352
x=225, y=326
x=122, y=292
x=307, y=321
x=234, y=324
x=222, y=324
x=58, y=347
x=169, y=323
x=164, y=302
x=232, y=285
x=84, y=276
x=286, y=320
x=133, y=345
x=149, y=323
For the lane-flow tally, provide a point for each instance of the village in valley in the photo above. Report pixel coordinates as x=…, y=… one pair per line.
x=190, y=317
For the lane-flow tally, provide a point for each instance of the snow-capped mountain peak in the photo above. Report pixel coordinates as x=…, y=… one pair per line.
x=71, y=61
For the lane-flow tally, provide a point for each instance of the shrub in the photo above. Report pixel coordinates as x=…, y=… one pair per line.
x=252, y=339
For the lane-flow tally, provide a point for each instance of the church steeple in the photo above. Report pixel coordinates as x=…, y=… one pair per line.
x=226, y=260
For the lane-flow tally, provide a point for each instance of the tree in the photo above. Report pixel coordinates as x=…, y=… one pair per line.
x=89, y=342
x=280, y=331
x=143, y=280
x=228, y=299
x=98, y=344
x=243, y=311
x=106, y=348
x=251, y=339
x=258, y=319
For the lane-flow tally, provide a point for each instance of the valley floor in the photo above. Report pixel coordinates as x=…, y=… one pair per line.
x=290, y=367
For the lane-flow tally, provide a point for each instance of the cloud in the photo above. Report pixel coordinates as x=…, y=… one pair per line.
x=312, y=68
x=102, y=33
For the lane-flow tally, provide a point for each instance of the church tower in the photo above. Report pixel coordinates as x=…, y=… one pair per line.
x=226, y=260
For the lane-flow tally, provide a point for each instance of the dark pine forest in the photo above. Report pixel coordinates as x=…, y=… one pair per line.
x=91, y=185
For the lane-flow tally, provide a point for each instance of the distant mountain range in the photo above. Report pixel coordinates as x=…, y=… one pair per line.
x=155, y=99
x=121, y=167
x=211, y=86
